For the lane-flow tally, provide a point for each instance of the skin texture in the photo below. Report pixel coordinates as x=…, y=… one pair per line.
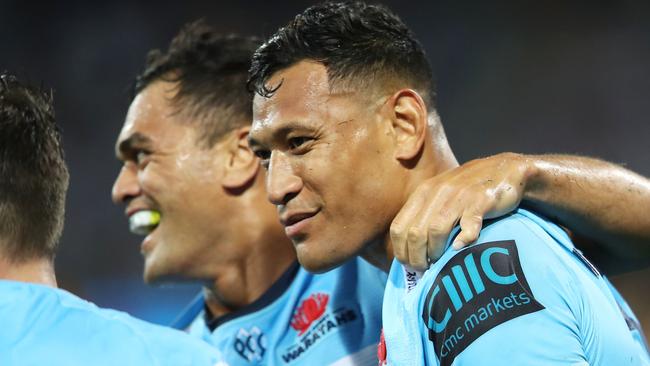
x=37, y=270
x=347, y=162
x=596, y=200
x=600, y=202
x=466, y=195
x=216, y=226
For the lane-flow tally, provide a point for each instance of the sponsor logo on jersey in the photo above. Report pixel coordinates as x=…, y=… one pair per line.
x=479, y=288
x=314, y=322
x=250, y=344
x=311, y=309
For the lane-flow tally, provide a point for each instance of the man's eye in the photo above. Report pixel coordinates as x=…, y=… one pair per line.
x=296, y=142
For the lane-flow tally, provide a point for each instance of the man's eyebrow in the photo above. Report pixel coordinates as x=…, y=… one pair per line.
x=281, y=131
x=129, y=144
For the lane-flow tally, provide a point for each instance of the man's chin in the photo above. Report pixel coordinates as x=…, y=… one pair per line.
x=155, y=279
x=151, y=278
x=317, y=264
x=158, y=275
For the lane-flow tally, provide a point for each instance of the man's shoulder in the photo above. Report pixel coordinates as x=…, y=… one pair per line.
x=527, y=224
x=73, y=323
x=505, y=236
x=508, y=250
x=522, y=292
x=471, y=291
x=122, y=327
x=35, y=299
x=520, y=238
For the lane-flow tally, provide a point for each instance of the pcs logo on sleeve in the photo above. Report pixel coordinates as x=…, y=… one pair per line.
x=479, y=288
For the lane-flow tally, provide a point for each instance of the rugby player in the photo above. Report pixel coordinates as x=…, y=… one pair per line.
x=192, y=185
x=345, y=124
x=41, y=324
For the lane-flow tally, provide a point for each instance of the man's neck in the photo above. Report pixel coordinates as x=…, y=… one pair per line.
x=379, y=251
x=241, y=282
x=39, y=271
x=241, y=285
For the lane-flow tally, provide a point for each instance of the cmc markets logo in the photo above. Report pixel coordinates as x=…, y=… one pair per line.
x=313, y=323
x=311, y=309
x=478, y=289
x=250, y=344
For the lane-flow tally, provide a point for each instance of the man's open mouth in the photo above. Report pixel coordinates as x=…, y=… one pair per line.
x=143, y=222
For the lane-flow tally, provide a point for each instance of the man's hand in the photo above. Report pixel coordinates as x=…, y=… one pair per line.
x=480, y=189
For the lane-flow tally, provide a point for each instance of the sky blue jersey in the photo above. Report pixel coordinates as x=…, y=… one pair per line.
x=332, y=318
x=523, y=295
x=630, y=318
x=42, y=325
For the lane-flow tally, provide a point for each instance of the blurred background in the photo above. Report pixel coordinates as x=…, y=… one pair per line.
x=523, y=76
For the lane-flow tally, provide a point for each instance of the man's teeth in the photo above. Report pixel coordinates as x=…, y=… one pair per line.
x=143, y=222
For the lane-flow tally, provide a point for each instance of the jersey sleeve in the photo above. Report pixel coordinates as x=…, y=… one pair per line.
x=511, y=297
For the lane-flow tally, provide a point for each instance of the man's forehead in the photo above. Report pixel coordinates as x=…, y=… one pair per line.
x=149, y=108
x=138, y=111
x=304, y=82
x=149, y=117
x=307, y=75
x=303, y=94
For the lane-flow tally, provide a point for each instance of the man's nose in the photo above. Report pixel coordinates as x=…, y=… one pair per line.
x=282, y=183
x=126, y=185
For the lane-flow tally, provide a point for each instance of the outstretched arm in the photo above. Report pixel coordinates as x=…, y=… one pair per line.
x=599, y=202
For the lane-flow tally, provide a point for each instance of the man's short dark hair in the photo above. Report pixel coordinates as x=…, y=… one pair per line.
x=33, y=174
x=361, y=46
x=211, y=70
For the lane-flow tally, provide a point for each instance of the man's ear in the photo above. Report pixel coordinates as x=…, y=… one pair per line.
x=242, y=165
x=408, y=113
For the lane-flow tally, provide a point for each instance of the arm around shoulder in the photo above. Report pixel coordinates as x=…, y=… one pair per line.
x=599, y=201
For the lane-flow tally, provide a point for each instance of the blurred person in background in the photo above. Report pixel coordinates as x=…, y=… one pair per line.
x=42, y=324
x=344, y=122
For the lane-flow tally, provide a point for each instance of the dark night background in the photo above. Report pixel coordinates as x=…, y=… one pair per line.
x=524, y=76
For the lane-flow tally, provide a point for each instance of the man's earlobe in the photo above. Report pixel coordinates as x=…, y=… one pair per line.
x=409, y=122
x=242, y=165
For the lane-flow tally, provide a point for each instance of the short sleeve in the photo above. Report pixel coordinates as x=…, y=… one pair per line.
x=509, y=297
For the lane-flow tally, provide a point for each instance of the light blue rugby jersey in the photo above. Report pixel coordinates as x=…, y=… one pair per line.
x=41, y=325
x=630, y=318
x=332, y=318
x=523, y=295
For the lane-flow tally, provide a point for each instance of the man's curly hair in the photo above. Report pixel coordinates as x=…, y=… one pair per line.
x=211, y=71
x=362, y=46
